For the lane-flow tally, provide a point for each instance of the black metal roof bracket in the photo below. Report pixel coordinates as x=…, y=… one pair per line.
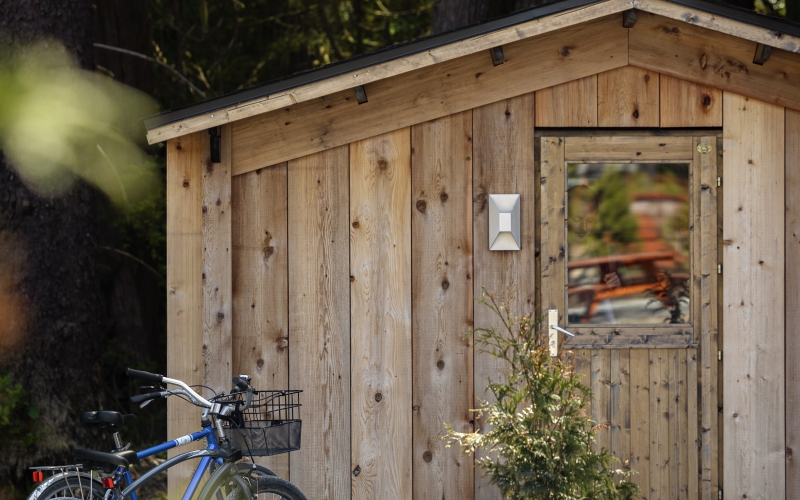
x=762, y=54
x=361, y=94
x=498, y=57
x=216, y=142
x=629, y=18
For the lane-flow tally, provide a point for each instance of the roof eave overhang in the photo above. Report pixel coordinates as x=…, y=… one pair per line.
x=433, y=50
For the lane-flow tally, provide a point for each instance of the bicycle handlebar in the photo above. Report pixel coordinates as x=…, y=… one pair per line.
x=161, y=379
x=150, y=377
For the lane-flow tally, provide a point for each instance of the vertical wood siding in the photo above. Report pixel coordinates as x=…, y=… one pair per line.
x=185, y=157
x=380, y=312
x=503, y=164
x=441, y=161
x=792, y=304
x=319, y=319
x=753, y=299
x=353, y=273
x=260, y=294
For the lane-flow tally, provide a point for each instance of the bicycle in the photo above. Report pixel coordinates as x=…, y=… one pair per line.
x=244, y=419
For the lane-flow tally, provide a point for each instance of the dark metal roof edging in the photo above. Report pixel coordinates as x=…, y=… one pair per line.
x=399, y=51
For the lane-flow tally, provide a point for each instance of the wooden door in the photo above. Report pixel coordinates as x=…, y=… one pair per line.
x=628, y=236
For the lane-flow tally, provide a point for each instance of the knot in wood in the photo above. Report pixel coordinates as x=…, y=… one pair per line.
x=185, y=183
x=445, y=284
x=356, y=224
x=205, y=209
x=444, y=197
x=636, y=113
x=260, y=363
x=357, y=470
x=352, y=278
x=220, y=316
x=427, y=456
x=422, y=206
x=383, y=164
x=706, y=100
x=378, y=397
x=440, y=364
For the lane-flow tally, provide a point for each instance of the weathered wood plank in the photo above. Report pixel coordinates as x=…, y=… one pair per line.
x=640, y=420
x=441, y=175
x=715, y=59
x=552, y=227
x=601, y=405
x=692, y=423
x=720, y=23
x=659, y=423
x=620, y=392
x=429, y=93
x=260, y=284
x=753, y=295
x=380, y=307
x=627, y=97
x=217, y=295
x=604, y=148
x=688, y=104
x=571, y=104
x=792, y=304
x=388, y=69
x=185, y=157
x=319, y=319
x=704, y=307
x=503, y=162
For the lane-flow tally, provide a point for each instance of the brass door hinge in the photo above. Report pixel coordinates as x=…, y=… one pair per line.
x=719, y=355
x=719, y=181
x=719, y=268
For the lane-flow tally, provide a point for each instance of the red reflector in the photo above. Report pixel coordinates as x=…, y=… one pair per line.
x=38, y=476
x=108, y=483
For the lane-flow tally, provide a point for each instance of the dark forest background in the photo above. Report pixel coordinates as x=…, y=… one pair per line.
x=82, y=278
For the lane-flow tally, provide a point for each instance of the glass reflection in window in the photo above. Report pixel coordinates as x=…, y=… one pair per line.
x=628, y=243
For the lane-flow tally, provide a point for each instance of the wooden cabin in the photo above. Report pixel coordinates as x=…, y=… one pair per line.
x=330, y=232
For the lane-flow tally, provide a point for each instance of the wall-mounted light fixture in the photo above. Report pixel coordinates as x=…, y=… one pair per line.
x=504, y=215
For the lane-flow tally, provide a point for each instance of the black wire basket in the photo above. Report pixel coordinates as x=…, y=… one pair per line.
x=270, y=426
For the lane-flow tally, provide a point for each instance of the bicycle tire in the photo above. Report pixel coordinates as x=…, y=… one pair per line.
x=270, y=487
x=72, y=487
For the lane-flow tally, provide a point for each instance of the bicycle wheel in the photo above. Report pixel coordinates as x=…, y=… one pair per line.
x=75, y=486
x=252, y=483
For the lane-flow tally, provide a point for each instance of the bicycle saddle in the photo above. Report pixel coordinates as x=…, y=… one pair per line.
x=102, y=419
x=98, y=460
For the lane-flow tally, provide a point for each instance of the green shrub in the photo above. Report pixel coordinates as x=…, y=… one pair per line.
x=537, y=438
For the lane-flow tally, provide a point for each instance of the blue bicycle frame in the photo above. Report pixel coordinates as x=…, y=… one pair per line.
x=205, y=462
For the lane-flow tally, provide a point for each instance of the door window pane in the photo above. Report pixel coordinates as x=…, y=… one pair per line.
x=628, y=243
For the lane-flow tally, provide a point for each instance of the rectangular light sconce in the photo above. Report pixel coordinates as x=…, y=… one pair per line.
x=504, y=214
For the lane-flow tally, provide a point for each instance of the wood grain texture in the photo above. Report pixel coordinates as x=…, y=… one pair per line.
x=441, y=163
x=715, y=59
x=640, y=420
x=430, y=93
x=260, y=284
x=792, y=304
x=552, y=227
x=659, y=423
x=217, y=296
x=319, y=319
x=184, y=289
x=627, y=97
x=720, y=23
x=692, y=425
x=705, y=235
x=380, y=306
x=753, y=295
x=571, y=104
x=689, y=104
x=606, y=147
x=503, y=163
x=620, y=403
x=601, y=403
x=388, y=69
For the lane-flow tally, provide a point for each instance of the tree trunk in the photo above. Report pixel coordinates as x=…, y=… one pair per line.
x=61, y=316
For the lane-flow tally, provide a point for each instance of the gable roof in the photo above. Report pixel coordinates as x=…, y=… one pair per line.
x=398, y=59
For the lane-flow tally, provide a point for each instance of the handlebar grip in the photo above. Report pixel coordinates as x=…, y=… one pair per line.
x=150, y=377
x=145, y=397
x=241, y=383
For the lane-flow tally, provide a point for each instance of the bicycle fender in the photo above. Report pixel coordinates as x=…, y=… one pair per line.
x=58, y=477
x=226, y=473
